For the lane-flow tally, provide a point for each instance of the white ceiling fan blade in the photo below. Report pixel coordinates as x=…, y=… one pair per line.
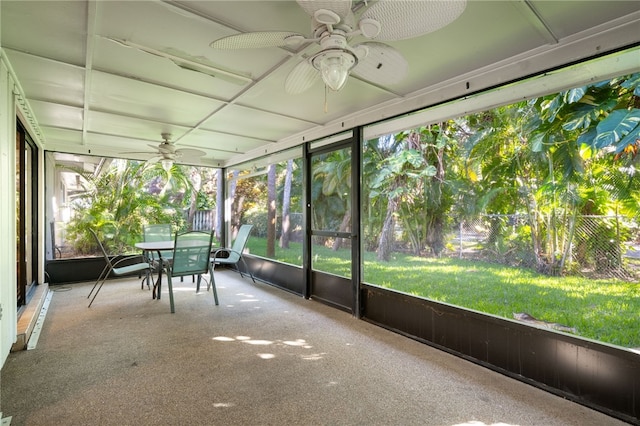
x=259, y=39
x=189, y=152
x=128, y=153
x=341, y=7
x=154, y=160
x=301, y=78
x=400, y=20
x=382, y=64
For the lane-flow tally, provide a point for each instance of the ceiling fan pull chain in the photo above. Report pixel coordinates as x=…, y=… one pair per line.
x=326, y=102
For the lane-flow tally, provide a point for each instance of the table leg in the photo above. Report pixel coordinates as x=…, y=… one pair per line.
x=157, y=286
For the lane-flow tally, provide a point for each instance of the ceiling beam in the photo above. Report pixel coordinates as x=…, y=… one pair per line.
x=532, y=15
x=92, y=12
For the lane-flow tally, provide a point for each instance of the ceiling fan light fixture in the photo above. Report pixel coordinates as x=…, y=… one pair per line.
x=334, y=66
x=167, y=163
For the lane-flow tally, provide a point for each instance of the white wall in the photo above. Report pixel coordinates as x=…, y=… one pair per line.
x=8, y=296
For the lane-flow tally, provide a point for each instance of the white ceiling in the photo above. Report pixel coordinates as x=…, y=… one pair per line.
x=90, y=94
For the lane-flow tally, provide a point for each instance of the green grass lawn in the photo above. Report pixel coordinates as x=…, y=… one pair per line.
x=603, y=310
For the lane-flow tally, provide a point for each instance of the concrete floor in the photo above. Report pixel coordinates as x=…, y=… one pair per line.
x=262, y=357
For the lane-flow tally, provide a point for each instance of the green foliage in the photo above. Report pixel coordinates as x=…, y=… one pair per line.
x=616, y=126
x=120, y=200
x=331, y=188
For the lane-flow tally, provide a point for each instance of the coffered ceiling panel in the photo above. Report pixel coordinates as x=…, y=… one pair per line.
x=134, y=98
x=62, y=83
x=254, y=123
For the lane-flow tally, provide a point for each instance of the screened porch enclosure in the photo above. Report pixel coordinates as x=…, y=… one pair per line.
x=459, y=239
x=472, y=191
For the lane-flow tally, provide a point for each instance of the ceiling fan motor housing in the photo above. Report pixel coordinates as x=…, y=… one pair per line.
x=335, y=45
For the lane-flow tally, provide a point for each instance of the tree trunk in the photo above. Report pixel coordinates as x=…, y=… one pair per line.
x=285, y=235
x=196, y=181
x=219, y=206
x=345, y=226
x=435, y=229
x=435, y=234
x=386, y=235
x=271, y=211
x=236, y=207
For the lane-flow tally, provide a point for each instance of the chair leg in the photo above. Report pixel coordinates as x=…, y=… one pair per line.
x=147, y=279
x=247, y=269
x=97, y=291
x=211, y=268
x=213, y=286
x=169, y=279
x=102, y=274
x=94, y=296
x=101, y=279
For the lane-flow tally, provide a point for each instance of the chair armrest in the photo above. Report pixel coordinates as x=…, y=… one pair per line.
x=215, y=252
x=142, y=259
x=225, y=260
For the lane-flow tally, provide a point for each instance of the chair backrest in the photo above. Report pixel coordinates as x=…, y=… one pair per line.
x=104, y=252
x=240, y=243
x=157, y=232
x=191, y=253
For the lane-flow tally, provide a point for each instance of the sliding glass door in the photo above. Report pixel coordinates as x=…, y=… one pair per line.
x=26, y=205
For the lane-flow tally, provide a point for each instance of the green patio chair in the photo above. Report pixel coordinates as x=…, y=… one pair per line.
x=112, y=268
x=157, y=232
x=190, y=257
x=233, y=255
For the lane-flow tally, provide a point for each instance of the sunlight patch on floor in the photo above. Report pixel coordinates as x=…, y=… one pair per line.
x=314, y=357
x=297, y=343
x=258, y=342
x=223, y=404
x=224, y=339
x=266, y=356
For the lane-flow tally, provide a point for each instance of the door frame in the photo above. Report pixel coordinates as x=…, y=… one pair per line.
x=26, y=176
x=338, y=291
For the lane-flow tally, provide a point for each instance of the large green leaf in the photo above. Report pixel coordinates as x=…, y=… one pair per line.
x=537, y=142
x=429, y=171
x=631, y=138
x=588, y=137
x=632, y=83
x=613, y=128
x=552, y=107
x=574, y=95
x=580, y=118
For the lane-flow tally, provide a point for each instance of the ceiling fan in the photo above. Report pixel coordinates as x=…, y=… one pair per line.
x=334, y=25
x=166, y=152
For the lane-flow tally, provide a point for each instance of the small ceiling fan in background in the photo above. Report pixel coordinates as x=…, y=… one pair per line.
x=334, y=25
x=166, y=152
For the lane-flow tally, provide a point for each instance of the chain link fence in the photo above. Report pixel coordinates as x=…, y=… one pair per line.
x=589, y=246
